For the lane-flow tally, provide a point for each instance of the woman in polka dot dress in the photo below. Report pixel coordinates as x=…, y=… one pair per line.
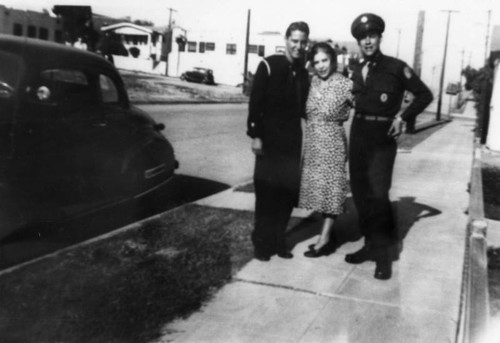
x=324, y=181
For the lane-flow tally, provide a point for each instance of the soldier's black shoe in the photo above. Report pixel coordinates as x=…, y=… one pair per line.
x=360, y=256
x=383, y=267
x=285, y=254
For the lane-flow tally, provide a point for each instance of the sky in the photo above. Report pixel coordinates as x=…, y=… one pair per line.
x=327, y=19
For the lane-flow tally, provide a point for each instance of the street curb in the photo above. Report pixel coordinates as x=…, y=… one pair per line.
x=430, y=124
x=188, y=102
x=128, y=227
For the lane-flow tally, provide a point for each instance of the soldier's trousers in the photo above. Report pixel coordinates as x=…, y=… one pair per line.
x=371, y=160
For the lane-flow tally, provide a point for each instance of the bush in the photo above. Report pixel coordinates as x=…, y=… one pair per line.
x=134, y=51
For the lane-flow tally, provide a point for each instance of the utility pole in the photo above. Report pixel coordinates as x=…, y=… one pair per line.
x=440, y=98
x=459, y=96
x=170, y=17
x=417, y=58
x=399, y=38
x=461, y=68
x=168, y=41
x=487, y=38
x=245, y=68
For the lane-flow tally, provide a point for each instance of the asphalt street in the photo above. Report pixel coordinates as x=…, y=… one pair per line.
x=209, y=140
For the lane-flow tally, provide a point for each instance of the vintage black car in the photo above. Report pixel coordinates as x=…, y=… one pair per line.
x=71, y=143
x=199, y=75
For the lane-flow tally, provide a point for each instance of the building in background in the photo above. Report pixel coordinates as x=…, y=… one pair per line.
x=222, y=52
x=40, y=25
x=495, y=43
x=167, y=51
x=143, y=46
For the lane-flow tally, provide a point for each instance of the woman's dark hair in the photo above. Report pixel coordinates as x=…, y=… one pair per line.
x=297, y=26
x=327, y=49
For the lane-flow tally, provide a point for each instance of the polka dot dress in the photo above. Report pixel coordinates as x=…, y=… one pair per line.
x=323, y=183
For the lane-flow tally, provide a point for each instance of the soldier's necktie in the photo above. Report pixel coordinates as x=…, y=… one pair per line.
x=364, y=70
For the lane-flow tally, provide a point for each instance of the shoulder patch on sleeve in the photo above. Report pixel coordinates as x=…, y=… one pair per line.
x=407, y=72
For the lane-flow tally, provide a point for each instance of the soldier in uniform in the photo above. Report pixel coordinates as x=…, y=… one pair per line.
x=276, y=107
x=379, y=85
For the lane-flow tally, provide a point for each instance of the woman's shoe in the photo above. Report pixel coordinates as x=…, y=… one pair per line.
x=325, y=250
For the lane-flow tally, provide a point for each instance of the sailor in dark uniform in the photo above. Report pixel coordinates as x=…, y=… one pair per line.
x=277, y=105
x=379, y=87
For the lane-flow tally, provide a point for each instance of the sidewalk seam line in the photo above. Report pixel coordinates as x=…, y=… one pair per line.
x=333, y=296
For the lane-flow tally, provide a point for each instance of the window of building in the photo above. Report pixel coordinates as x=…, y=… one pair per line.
x=262, y=50
x=18, y=29
x=43, y=33
x=201, y=47
x=230, y=49
x=210, y=46
x=31, y=31
x=191, y=46
x=256, y=49
x=135, y=39
x=58, y=37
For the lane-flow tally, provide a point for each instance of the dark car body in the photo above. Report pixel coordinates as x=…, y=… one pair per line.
x=71, y=143
x=199, y=75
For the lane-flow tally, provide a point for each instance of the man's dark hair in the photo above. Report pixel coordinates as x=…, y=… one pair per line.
x=297, y=26
x=327, y=49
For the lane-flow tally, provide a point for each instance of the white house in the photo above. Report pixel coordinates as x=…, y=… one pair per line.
x=223, y=52
x=146, y=40
x=144, y=45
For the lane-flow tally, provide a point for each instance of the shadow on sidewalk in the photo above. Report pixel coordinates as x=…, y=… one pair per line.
x=406, y=211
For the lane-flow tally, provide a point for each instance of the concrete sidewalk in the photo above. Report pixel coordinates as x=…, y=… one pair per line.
x=328, y=300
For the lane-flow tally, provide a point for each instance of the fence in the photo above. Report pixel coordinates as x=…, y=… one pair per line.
x=474, y=305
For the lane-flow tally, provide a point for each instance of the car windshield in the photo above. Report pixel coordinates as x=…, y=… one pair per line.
x=9, y=70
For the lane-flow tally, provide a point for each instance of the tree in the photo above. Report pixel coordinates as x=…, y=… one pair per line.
x=475, y=79
x=470, y=75
x=143, y=22
x=77, y=23
x=110, y=44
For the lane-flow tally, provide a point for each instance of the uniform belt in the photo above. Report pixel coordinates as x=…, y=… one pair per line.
x=372, y=117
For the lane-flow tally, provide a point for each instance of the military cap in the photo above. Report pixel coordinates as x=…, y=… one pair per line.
x=367, y=22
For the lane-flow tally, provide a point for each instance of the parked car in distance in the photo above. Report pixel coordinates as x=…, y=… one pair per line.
x=71, y=142
x=199, y=75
